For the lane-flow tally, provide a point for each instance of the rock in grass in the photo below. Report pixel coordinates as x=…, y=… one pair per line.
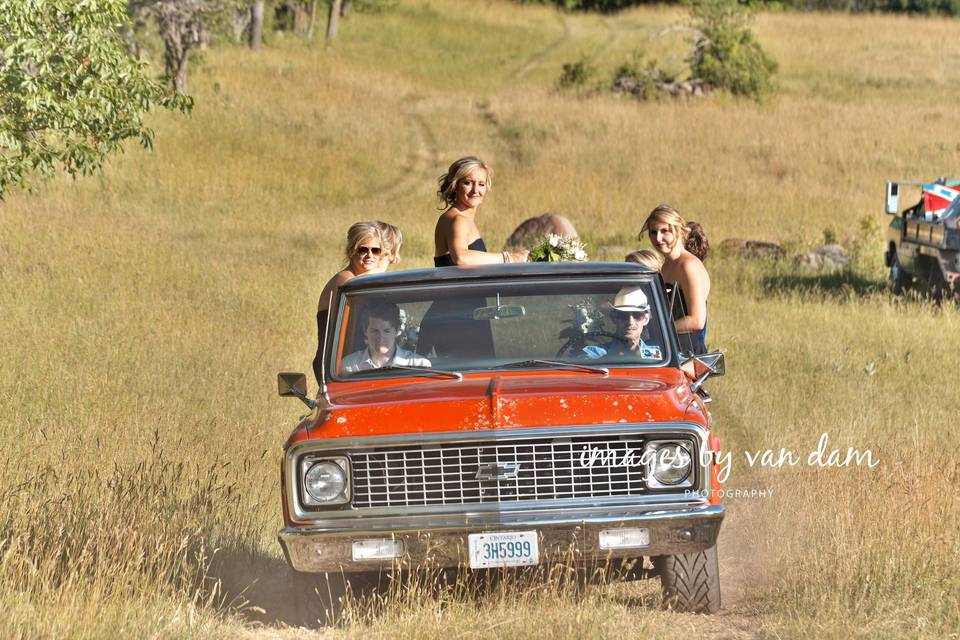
x=751, y=248
x=828, y=258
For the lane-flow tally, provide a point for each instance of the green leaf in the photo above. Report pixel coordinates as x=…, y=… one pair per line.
x=71, y=94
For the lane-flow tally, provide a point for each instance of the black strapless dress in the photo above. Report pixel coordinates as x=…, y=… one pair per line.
x=696, y=341
x=448, y=333
x=446, y=261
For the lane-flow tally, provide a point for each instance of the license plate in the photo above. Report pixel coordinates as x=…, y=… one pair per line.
x=507, y=549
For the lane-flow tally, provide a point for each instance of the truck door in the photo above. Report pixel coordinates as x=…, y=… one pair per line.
x=907, y=252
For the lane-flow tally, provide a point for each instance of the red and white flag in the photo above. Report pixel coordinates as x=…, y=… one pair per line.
x=937, y=197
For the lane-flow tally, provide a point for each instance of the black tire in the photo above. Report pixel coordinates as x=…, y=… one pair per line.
x=898, y=279
x=690, y=582
x=936, y=286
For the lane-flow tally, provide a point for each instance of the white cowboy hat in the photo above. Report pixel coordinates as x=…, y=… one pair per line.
x=631, y=299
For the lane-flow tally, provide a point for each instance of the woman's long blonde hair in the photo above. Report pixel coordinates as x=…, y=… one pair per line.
x=460, y=169
x=392, y=240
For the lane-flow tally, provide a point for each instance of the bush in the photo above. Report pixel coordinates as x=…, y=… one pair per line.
x=576, y=74
x=641, y=77
x=829, y=236
x=602, y=6
x=727, y=56
x=928, y=7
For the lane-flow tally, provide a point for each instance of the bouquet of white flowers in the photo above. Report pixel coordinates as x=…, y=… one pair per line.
x=556, y=248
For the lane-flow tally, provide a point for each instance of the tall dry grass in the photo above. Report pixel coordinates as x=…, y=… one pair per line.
x=146, y=312
x=852, y=551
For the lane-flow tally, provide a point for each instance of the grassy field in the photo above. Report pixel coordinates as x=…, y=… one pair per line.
x=146, y=312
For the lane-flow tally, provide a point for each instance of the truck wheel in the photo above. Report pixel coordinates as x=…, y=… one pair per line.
x=936, y=286
x=898, y=279
x=690, y=582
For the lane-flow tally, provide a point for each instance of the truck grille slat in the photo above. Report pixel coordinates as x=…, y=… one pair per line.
x=445, y=474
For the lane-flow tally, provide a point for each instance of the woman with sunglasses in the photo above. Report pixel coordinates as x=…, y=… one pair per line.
x=669, y=234
x=363, y=252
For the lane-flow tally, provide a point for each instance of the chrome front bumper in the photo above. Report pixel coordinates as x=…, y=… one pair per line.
x=441, y=541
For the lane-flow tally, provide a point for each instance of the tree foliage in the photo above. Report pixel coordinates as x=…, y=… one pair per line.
x=724, y=56
x=727, y=55
x=70, y=94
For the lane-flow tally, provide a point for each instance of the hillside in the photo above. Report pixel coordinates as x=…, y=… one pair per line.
x=147, y=310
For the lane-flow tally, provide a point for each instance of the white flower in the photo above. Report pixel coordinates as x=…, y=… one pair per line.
x=557, y=248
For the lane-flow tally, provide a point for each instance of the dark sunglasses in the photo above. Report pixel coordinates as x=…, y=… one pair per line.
x=374, y=251
x=636, y=315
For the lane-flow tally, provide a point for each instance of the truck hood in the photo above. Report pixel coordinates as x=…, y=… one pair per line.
x=505, y=401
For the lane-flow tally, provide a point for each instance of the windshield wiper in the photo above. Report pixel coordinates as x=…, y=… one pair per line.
x=554, y=363
x=443, y=373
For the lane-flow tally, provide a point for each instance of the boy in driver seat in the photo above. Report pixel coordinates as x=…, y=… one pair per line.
x=381, y=327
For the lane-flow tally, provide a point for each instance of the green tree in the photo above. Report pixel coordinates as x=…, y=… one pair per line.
x=70, y=94
x=727, y=55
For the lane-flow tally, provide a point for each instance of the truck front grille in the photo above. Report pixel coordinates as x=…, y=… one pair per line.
x=539, y=469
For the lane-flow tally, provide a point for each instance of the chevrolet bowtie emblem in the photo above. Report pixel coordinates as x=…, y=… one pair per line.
x=495, y=471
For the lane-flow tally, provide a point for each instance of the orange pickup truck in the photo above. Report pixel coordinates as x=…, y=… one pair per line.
x=506, y=416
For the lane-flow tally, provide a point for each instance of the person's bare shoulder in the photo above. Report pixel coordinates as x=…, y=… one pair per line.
x=451, y=221
x=692, y=266
x=331, y=287
x=694, y=275
x=460, y=221
x=341, y=277
x=451, y=215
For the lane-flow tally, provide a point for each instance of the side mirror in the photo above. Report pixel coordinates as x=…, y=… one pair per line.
x=294, y=384
x=714, y=362
x=706, y=365
x=893, y=198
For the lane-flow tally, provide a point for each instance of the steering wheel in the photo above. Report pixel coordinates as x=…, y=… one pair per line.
x=580, y=340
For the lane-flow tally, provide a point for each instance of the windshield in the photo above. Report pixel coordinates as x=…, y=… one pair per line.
x=451, y=328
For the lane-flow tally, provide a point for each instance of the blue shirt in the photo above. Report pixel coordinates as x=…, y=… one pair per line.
x=619, y=348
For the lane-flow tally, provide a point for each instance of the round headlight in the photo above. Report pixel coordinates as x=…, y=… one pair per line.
x=324, y=481
x=671, y=463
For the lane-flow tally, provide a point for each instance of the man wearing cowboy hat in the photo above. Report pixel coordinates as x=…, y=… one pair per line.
x=630, y=314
